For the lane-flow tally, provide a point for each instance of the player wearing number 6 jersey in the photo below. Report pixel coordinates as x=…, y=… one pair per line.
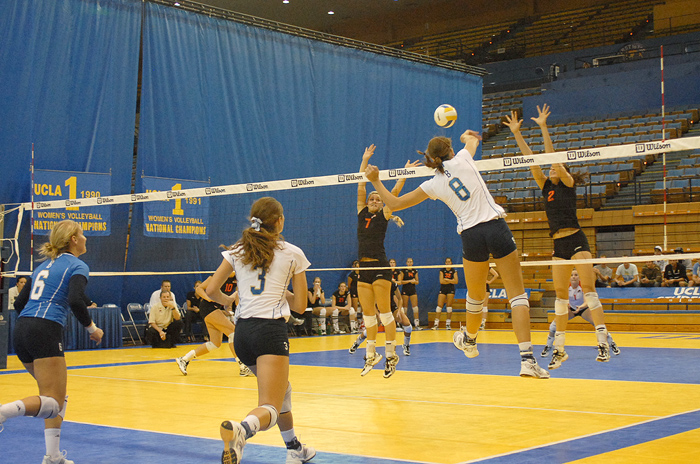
x=56, y=285
x=480, y=222
x=264, y=264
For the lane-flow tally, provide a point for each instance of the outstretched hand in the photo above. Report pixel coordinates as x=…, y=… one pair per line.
x=413, y=164
x=369, y=151
x=372, y=173
x=543, y=114
x=513, y=122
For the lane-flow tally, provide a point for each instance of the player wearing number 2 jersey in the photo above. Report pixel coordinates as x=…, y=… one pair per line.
x=264, y=264
x=56, y=286
x=484, y=232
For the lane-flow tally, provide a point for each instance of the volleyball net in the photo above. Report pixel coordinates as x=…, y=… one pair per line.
x=175, y=232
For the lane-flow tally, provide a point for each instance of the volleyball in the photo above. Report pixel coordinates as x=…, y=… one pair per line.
x=445, y=115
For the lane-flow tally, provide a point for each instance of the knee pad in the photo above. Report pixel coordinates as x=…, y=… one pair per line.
x=449, y=309
x=520, y=300
x=211, y=346
x=591, y=299
x=474, y=306
x=335, y=313
x=407, y=329
x=323, y=312
x=62, y=412
x=49, y=408
x=287, y=403
x=352, y=312
x=273, y=416
x=387, y=318
x=438, y=309
x=230, y=337
x=370, y=321
x=561, y=307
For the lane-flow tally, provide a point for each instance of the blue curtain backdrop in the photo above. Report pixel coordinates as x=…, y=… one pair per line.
x=68, y=70
x=235, y=104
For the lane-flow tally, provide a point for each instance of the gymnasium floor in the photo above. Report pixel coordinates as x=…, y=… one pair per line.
x=133, y=405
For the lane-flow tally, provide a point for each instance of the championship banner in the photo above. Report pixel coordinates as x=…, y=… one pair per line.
x=71, y=188
x=178, y=216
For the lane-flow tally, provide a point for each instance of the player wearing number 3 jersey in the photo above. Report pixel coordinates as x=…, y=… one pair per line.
x=264, y=264
x=458, y=183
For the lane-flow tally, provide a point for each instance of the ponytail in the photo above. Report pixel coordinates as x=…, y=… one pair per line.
x=258, y=242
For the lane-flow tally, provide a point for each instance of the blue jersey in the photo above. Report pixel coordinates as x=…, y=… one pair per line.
x=49, y=296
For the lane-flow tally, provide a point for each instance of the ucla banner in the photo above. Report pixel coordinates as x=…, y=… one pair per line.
x=71, y=187
x=494, y=293
x=668, y=293
x=180, y=216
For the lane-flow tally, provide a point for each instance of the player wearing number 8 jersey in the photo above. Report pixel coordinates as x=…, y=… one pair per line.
x=484, y=232
x=264, y=264
x=56, y=285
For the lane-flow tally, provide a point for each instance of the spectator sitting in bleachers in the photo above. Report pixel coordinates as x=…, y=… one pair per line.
x=14, y=291
x=192, y=315
x=650, y=275
x=603, y=273
x=164, y=323
x=675, y=275
x=340, y=304
x=626, y=275
x=685, y=262
x=658, y=251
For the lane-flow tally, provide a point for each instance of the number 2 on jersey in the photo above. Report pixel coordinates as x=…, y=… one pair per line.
x=459, y=189
x=261, y=283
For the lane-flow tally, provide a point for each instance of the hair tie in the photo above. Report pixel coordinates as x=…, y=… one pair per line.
x=255, y=223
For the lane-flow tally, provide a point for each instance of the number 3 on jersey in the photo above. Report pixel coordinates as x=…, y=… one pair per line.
x=261, y=284
x=459, y=189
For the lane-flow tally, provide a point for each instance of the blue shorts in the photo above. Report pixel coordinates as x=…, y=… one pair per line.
x=488, y=238
x=37, y=338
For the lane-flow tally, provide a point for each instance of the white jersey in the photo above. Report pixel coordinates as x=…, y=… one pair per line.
x=263, y=292
x=464, y=191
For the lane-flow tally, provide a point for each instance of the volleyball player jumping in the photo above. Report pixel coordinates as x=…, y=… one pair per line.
x=570, y=242
x=481, y=224
x=55, y=286
x=264, y=264
x=374, y=286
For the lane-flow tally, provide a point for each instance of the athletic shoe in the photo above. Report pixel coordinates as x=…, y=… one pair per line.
x=399, y=328
x=483, y=325
x=603, y=353
x=244, y=371
x=436, y=325
x=323, y=332
x=468, y=345
x=418, y=328
x=233, y=435
x=558, y=357
x=614, y=348
x=406, y=350
x=354, y=331
x=529, y=368
x=301, y=455
x=297, y=321
x=353, y=348
x=370, y=363
x=60, y=460
x=390, y=366
x=545, y=351
x=182, y=364
x=447, y=325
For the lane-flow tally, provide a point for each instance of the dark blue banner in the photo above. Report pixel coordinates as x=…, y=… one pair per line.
x=57, y=185
x=179, y=217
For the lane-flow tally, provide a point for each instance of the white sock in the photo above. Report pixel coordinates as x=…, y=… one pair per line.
x=416, y=322
x=288, y=435
x=189, y=356
x=52, y=437
x=390, y=348
x=253, y=424
x=601, y=333
x=559, y=340
x=371, y=347
x=14, y=409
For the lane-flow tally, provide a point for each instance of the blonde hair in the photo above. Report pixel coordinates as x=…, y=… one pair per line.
x=59, y=239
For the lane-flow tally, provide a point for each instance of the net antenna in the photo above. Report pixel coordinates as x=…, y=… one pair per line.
x=663, y=136
x=31, y=220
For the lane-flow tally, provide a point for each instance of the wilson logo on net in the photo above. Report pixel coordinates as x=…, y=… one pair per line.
x=581, y=154
x=518, y=161
x=253, y=187
x=401, y=172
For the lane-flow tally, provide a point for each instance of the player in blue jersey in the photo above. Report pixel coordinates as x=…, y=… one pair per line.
x=56, y=286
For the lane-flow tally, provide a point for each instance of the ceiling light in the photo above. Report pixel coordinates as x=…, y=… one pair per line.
x=331, y=12
x=285, y=1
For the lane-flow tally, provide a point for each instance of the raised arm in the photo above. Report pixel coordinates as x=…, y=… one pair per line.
x=361, y=190
x=392, y=202
x=397, y=189
x=541, y=121
x=514, y=123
